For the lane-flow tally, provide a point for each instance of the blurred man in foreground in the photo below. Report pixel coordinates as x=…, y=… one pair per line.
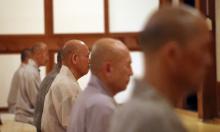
x=176, y=45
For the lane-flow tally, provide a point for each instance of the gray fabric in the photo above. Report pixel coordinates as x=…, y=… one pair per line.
x=146, y=112
x=44, y=87
x=59, y=100
x=93, y=109
x=27, y=93
x=15, y=84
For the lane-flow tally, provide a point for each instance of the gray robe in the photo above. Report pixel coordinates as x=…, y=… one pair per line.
x=27, y=93
x=15, y=84
x=44, y=87
x=146, y=112
x=93, y=109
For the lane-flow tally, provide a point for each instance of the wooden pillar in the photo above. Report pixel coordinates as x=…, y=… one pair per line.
x=207, y=98
x=50, y=64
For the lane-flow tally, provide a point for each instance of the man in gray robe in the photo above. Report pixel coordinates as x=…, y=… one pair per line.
x=65, y=89
x=111, y=70
x=30, y=83
x=44, y=87
x=16, y=82
x=176, y=44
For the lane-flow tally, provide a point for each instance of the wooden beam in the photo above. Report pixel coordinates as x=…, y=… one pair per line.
x=11, y=44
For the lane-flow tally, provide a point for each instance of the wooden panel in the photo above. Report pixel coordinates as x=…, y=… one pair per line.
x=50, y=64
x=207, y=100
x=106, y=16
x=11, y=44
x=48, y=20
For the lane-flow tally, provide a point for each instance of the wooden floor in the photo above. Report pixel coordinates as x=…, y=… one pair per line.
x=194, y=124
x=190, y=120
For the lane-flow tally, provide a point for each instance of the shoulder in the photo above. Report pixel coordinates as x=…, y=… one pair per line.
x=64, y=87
x=30, y=71
x=142, y=113
x=101, y=101
x=145, y=115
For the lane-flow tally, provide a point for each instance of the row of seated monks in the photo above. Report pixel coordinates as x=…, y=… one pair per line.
x=176, y=46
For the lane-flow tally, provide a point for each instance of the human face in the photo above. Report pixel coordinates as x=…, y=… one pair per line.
x=121, y=72
x=196, y=59
x=43, y=57
x=83, y=61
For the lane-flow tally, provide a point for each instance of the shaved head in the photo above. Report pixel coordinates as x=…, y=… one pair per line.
x=38, y=47
x=111, y=62
x=176, y=44
x=106, y=49
x=75, y=55
x=178, y=24
x=72, y=47
x=40, y=53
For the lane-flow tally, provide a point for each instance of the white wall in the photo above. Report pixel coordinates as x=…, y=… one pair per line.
x=21, y=16
x=130, y=15
x=78, y=16
x=9, y=64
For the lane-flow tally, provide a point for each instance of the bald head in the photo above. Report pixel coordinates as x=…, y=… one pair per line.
x=106, y=49
x=75, y=54
x=72, y=47
x=177, y=24
x=40, y=53
x=38, y=47
x=176, y=43
x=110, y=61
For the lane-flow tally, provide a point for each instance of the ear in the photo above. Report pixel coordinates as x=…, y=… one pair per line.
x=171, y=53
x=107, y=68
x=74, y=58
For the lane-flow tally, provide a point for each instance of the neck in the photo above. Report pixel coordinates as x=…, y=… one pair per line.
x=36, y=62
x=164, y=84
x=74, y=72
x=108, y=88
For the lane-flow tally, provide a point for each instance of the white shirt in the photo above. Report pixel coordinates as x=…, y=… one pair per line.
x=93, y=109
x=27, y=93
x=59, y=100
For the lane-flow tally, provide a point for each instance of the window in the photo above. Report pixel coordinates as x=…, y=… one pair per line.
x=130, y=15
x=78, y=16
x=21, y=16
